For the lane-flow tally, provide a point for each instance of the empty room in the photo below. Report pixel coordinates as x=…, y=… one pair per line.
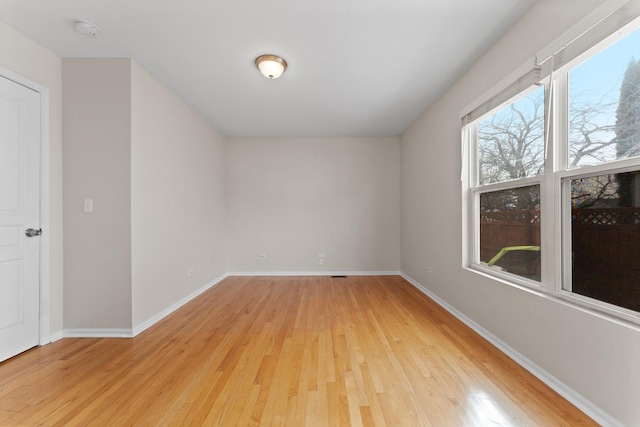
x=320, y=213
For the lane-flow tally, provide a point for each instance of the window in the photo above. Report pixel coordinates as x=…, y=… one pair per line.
x=553, y=182
x=605, y=238
x=510, y=230
x=510, y=158
x=604, y=105
x=511, y=141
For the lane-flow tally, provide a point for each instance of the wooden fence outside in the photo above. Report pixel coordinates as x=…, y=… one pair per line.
x=500, y=229
x=605, y=250
x=606, y=255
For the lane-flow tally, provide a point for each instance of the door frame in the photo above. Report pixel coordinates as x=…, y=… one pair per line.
x=44, y=285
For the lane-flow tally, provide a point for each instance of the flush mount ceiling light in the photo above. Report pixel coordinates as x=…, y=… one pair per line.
x=87, y=28
x=271, y=66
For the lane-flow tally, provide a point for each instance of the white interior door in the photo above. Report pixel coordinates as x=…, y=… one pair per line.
x=19, y=210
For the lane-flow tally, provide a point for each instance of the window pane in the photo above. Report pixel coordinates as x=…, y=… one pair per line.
x=604, y=105
x=605, y=238
x=511, y=141
x=510, y=230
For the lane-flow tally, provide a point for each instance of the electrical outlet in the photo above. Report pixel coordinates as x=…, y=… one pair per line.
x=429, y=270
x=262, y=256
x=190, y=272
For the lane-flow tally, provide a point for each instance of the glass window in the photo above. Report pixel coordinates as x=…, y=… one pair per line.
x=590, y=182
x=604, y=105
x=511, y=141
x=605, y=238
x=510, y=231
x=510, y=148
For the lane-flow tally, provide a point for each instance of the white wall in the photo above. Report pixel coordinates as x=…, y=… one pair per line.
x=596, y=356
x=27, y=58
x=155, y=170
x=177, y=198
x=97, y=165
x=295, y=198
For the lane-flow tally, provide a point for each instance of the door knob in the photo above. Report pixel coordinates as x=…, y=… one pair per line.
x=33, y=232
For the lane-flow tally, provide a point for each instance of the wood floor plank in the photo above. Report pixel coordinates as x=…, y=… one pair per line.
x=285, y=351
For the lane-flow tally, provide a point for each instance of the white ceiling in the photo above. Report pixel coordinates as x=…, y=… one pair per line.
x=356, y=67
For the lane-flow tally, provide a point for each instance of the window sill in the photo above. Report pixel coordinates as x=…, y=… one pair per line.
x=615, y=314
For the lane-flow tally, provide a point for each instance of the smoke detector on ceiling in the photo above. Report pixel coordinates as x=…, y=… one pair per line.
x=87, y=28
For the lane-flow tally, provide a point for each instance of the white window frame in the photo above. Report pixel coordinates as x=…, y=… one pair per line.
x=599, y=31
x=475, y=190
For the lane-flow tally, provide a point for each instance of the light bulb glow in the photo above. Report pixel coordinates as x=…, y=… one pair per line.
x=271, y=66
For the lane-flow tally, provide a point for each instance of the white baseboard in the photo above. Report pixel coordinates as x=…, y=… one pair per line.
x=130, y=333
x=315, y=273
x=565, y=391
x=97, y=333
x=56, y=336
x=167, y=311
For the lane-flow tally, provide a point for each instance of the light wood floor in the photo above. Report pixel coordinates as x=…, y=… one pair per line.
x=295, y=351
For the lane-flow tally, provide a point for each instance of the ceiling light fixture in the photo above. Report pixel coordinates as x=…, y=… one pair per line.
x=271, y=66
x=87, y=28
